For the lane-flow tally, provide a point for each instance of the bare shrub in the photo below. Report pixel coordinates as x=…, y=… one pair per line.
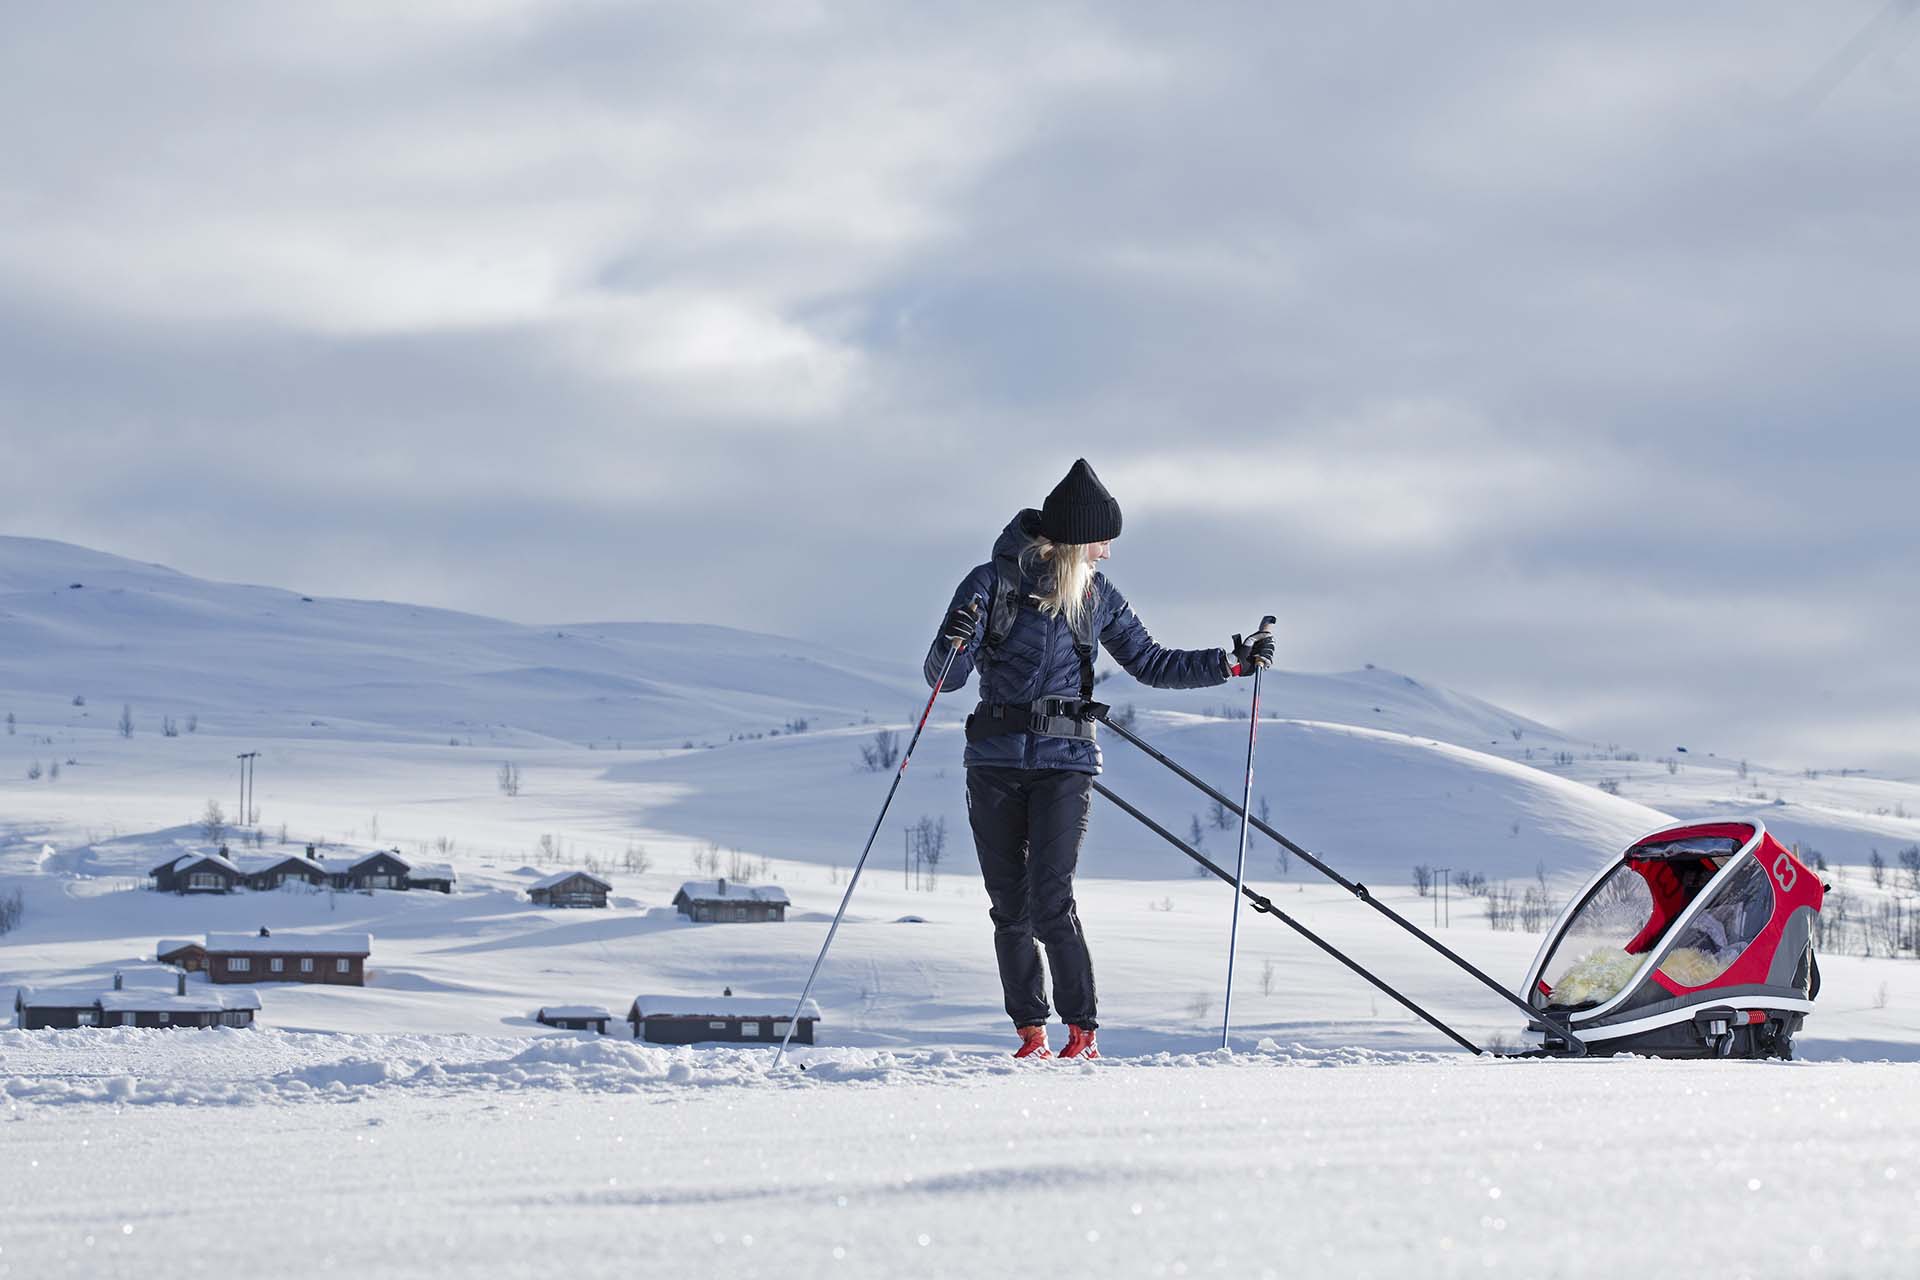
x=1422, y=879
x=880, y=752
x=1199, y=1006
x=508, y=778
x=213, y=822
x=33, y=771
x=636, y=859
x=12, y=909
x=126, y=720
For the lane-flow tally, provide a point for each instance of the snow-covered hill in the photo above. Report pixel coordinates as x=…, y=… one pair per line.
x=386, y=725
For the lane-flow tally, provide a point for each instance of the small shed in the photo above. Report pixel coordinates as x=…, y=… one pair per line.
x=335, y=959
x=574, y=1017
x=182, y=953
x=570, y=889
x=718, y=902
x=724, y=1019
x=436, y=877
x=197, y=873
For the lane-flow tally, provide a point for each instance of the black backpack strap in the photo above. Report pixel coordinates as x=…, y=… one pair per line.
x=1005, y=607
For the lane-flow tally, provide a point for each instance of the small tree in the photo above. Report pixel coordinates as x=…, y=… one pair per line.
x=1878, y=866
x=1217, y=814
x=213, y=822
x=637, y=860
x=12, y=908
x=193, y=724
x=10, y=728
x=1910, y=863
x=126, y=720
x=33, y=771
x=79, y=700
x=53, y=771
x=1423, y=879
x=509, y=778
x=169, y=727
x=880, y=752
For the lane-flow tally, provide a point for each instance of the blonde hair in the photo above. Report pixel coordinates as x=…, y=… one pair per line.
x=1066, y=584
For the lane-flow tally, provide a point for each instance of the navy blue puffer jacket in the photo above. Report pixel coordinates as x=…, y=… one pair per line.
x=1037, y=660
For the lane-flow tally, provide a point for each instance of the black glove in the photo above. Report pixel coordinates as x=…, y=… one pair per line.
x=1252, y=653
x=960, y=624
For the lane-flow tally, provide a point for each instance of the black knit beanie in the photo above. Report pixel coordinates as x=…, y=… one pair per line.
x=1080, y=510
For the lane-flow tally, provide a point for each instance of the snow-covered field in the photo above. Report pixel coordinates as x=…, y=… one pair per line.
x=425, y=1124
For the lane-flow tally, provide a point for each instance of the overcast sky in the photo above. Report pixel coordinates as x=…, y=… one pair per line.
x=1566, y=355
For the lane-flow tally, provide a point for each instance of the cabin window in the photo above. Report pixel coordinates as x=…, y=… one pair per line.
x=163, y=1016
x=126, y=1019
x=780, y=1025
x=340, y=965
x=239, y=964
x=753, y=1029
x=87, y=1018
x=276, y=964
x=718, y=1024
x=203, y=880
x=306, y=964
x=739, y=913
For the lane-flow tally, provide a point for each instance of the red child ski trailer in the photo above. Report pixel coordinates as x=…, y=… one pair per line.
x=1697, y=942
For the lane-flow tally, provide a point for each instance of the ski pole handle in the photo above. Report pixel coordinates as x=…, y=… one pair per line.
x=973, y=610
x=1267, y=623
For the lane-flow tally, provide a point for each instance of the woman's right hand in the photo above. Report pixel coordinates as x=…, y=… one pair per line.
x=961, y=624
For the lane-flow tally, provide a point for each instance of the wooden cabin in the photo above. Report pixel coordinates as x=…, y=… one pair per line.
x=570, y=889
x=197, y=873
x=134, y=1004
x=381, y=869
x=436, y=877
x=574, y=1017
x=718, y=902
x=182, y=953
x=333, y=959
x=270, y=871
x=725, y=1019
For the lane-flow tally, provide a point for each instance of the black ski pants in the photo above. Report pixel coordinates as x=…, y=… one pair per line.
x=1027, y=827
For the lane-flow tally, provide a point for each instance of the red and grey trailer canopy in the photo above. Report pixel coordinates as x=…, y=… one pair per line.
x=1693, y=920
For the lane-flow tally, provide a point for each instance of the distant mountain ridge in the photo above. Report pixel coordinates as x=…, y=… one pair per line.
x=78, y=621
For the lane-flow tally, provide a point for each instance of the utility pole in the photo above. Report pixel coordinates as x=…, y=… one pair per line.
x=246, y=759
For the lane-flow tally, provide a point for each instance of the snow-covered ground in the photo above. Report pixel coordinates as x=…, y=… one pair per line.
x=660, y=754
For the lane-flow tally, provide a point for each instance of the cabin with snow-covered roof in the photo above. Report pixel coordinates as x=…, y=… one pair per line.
x=181, y=953
x=570, y=889
x=724, y=1019
x=196, y=873
x=574, y=1017
x=133, y=1004
x=719, y=902
x=334, y=959
x=381, y=869
x=436, y=877
x=271, y=870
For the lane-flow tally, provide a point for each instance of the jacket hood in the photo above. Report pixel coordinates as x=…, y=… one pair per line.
x=1020, y=531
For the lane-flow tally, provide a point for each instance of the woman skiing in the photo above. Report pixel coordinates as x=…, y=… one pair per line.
x=1029, y=620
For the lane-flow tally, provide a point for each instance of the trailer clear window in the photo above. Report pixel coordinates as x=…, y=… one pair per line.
x=1591, y=961
x=1728, y=922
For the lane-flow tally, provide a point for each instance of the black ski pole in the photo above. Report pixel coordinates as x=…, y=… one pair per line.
x=847, y=897
x=1575, y=1045
x=1264, y=905
x=1240, y=868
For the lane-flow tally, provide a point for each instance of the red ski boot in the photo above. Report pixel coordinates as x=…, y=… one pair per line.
x=1033, y=1043
x=1080, y=1044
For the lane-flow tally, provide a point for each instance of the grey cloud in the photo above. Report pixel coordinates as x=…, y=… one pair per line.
x=1533, y=351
